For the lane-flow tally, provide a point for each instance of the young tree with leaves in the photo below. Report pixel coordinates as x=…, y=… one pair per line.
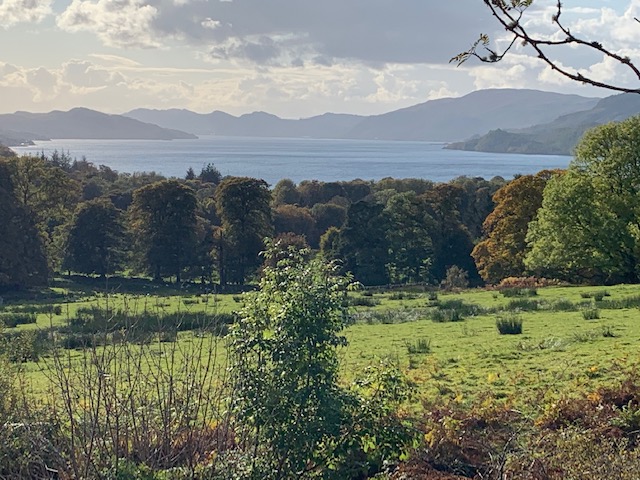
x=285, y=365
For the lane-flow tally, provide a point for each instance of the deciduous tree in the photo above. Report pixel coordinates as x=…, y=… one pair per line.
x=23, y=261
x=589, y=223
x=95, y=239
x=49, y=193
x=163, y=223
x=243, y=205
x=362, y=244
x=501, y=253
x=285, y=367
x=409, y=239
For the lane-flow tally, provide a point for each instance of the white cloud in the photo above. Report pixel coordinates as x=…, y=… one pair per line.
x=13, y=12
x=118, y=23
x=116, y=60
x=210, y=23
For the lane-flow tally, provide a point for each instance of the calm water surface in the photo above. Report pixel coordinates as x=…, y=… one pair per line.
x=299, y=159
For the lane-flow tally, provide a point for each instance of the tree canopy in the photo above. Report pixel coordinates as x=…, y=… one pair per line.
x=163, y=223
x=589, y=223
x=94, y=241
x=243, y=205
x=501, y=253
x=23, y=261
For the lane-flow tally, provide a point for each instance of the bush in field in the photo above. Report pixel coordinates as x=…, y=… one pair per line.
x=456, y=279
x=519, y=292
x=448, y=315
x=285, y=365
x=523, y=304
x=518, y=282
x=422, y=345
x=509, y=325
x=591, y=313
x=13, y=319
x=298, y=421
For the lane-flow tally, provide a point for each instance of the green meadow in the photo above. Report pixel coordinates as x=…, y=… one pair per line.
x=573, y=339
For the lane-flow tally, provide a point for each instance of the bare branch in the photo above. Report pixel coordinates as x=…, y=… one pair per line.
x=510, y=13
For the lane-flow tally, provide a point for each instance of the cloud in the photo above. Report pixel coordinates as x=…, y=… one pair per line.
x=115, y=86
x=115, y=60
x=118, y=23
x=13, y=12
x=286, y=32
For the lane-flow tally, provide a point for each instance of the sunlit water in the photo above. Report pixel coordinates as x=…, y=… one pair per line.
x=299, y=159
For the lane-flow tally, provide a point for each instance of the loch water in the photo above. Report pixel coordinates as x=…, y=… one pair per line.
x=299, y=158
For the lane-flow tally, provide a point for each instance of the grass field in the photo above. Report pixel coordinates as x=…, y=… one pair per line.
x=558, y=349
x=510, y=379
x=447, y=343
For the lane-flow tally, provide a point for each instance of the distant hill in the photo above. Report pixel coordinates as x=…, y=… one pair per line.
x=557, y=137
x=442, y=120
x=13, y=138
x=21, y=127
x=257, y=124
x=6, y=152
x=451, y=119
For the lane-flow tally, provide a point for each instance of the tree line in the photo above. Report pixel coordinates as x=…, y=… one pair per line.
x=582, y=224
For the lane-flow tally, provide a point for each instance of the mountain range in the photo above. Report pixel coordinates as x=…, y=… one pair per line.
x=558, y=136
x=495, y=120
x=442, y=120
x=24, y=127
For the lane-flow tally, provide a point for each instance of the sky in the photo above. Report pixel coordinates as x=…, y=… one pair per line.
x=292, y=58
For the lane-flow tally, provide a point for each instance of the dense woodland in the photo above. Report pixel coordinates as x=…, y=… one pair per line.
x=65, y=215
x=71, y=216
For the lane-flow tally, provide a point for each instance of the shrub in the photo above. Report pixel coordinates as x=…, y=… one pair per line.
x=591, y=313
x=509, y=325
x=526, y=282
x=403, y=296
x=24, y=346
x=597, y=296
x=420, y=346
x=523, y=305
x=399, y=315
x=519, y=292
x=456, y=278
x=450, y=315
x=465, y=309
x=13, y=319
x=563, y=305
x=627, y=302
x=362, y=301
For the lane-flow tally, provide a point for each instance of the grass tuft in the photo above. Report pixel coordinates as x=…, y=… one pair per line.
x=509, y=324
x=420, y=346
